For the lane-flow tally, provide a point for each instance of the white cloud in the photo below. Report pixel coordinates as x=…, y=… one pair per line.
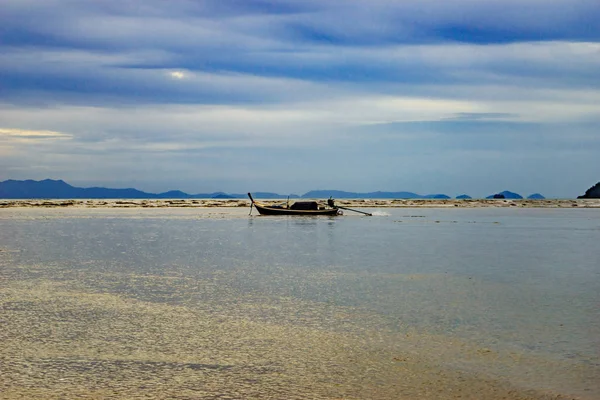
x=25, y=134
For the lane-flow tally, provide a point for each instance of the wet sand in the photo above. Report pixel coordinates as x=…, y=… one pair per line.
x=78, y=337
x=210, y=203
x=68, y=332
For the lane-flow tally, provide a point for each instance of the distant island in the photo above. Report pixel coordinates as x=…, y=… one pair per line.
x=591, y=193
x=340, y=194
x=514, y=196
x=505, y=195
x=536, y=196
x=59, y=189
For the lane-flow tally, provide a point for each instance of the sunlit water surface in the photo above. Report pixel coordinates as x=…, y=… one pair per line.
x=522, y=282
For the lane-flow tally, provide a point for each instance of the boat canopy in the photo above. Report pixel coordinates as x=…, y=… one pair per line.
x=304, y=205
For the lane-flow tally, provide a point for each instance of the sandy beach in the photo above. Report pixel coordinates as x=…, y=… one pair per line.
x=369, y=203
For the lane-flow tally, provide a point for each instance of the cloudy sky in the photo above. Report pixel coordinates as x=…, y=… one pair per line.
x=430, y=96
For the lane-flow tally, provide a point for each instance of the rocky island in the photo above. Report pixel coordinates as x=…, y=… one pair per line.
x=592, y=193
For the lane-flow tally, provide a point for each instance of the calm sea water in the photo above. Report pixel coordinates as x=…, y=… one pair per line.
x=520, y=281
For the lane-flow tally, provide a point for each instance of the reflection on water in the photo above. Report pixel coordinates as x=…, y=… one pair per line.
x=516, y=283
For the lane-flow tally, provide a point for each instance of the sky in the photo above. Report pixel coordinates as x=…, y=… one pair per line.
x=428, y=96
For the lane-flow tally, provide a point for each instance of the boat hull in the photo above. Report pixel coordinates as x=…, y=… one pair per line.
x=263, y=210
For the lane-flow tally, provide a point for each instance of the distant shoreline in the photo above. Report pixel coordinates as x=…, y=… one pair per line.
x=362, y=203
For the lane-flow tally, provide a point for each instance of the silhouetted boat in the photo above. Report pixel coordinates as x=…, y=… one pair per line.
x=298, y=208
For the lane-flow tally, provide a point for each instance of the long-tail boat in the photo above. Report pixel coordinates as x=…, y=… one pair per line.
x=297, y=208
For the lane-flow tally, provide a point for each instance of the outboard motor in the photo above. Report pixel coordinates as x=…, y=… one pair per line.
x=330, y=203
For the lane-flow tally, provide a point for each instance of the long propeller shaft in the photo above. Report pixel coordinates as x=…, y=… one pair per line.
x=357, y=211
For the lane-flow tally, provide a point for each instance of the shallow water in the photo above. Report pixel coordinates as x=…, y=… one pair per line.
x=513, y=294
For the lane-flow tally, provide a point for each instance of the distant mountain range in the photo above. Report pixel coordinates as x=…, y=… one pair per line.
x=339, y=194
x=59, y=189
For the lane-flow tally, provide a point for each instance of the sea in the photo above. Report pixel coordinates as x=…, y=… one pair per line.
x=510, y=295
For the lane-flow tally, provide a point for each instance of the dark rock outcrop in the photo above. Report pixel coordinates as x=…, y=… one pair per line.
x=591, y=193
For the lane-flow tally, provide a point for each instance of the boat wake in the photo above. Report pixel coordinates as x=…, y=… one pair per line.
x=380, y=214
